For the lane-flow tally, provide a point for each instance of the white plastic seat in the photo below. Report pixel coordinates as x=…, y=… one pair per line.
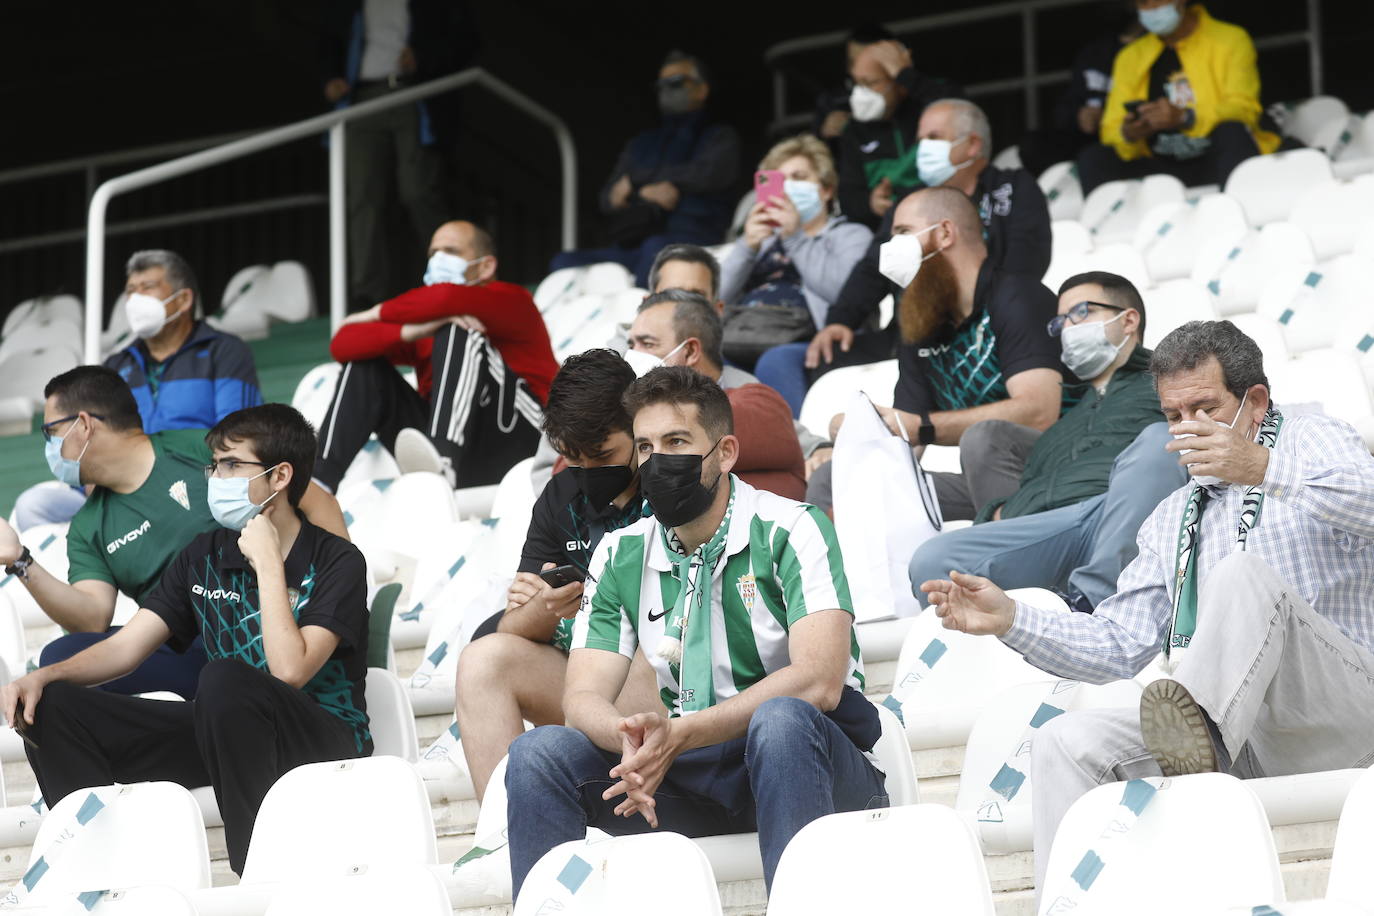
x=1070, y=243
x=1333, y=213
x=831, y=392
x=120, y=836
x=1266, y=334
x=1351, y=878
x=995, y=788
x=1203, y=839
x=25, y=373
x=292, y=296
x=1313, y=120
x=314, y=392
x=42, y=310
x=945, y=679
x=392, y=721
x=1063, y=193
x=12, y=650
x=243, y=280
x=39, y=335
x=914, y=859
x=1118, y=257
x=148, y=900
x=664, y=873
x=1112, y=210
x=1310, y=304
x=16, y=415
x=606, y=278
x=558, y=287
x=1269, y=186
x=412, y=890
x=1174, y=303
x=1354, y=147
x=1238, y=274
x=304, y=826
x=1170, y=235
x=1332, y=378
x=624, y=305
x=49, y=546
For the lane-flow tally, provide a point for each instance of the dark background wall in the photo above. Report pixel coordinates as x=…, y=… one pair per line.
x=80, y=79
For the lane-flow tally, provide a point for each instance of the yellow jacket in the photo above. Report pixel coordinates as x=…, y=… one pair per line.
x=1219, y=59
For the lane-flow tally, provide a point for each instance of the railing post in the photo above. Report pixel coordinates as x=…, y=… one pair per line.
x=1028, y=58
x=338, y=241
x=1314, y=43
x=779, y=95
x=95, y=273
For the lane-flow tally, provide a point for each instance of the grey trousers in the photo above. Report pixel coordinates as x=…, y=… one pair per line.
x=992, y=454
x=1290, y=692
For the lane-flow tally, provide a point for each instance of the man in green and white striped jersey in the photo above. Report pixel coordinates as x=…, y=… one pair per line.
x=739, y=600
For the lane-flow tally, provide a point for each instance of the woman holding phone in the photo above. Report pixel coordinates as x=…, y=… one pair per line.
x=796, y=250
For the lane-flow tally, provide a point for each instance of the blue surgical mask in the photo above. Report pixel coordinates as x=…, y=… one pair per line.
x=229, y=502
x=805, y=196
x=1162, y=20
x=447, y=268
x=932, y=161
x=67, y=470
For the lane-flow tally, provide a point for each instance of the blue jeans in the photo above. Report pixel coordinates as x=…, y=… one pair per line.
x=165, y=669
x=783, y=368
x=793, y=766
x=1080, y=548
x=639, y=259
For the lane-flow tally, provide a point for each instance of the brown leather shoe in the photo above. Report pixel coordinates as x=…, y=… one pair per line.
x=1180, y=735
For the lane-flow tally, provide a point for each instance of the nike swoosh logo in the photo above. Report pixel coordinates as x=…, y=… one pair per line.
x=660, y=616
x=869, y=147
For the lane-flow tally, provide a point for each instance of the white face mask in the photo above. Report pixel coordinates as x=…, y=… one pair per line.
x=147, y=314
x=867, y=104
x=900, y=257
x=643, y=363
x=1206, y=480
x=1086, y=350
x=447, y=268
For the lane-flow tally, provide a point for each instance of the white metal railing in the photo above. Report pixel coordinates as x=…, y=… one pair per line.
x=333, y=124
x=1031, y=78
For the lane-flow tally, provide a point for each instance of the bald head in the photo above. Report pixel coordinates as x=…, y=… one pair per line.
x=470, y=242
x=930, y=206
x=953, y=119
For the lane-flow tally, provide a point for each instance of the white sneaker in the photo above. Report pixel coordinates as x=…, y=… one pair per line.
x=414, y=452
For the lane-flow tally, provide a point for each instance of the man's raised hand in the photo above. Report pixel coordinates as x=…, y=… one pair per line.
x=971, y=604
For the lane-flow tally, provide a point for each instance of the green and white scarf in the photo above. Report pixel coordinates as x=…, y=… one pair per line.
x=1184, y=621
x=687, y=634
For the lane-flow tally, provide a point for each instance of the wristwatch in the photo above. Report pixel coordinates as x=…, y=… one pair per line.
x=20, y=567
x=926, y=434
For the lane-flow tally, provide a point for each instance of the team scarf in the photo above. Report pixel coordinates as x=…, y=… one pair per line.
x=1184, y=620
x=687, y=634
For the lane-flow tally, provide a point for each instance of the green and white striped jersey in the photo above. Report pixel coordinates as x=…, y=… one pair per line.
x=781, y=562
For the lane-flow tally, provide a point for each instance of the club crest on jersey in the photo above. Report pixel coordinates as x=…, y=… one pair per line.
x=292, y=596
x=178, y=492
x=748, y=591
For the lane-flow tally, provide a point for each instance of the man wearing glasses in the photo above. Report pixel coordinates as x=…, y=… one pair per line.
x=281, y=606
x=148, y=502
x=1092, y=478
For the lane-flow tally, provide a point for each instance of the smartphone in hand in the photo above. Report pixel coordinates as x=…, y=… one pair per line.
x=768, y=186
x=560, y=576
x=1133, y=107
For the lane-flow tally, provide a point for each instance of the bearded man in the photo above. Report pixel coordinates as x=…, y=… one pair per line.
x=974, y=348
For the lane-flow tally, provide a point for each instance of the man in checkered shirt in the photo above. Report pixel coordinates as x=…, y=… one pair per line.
x=739, y=600
x=1256, y=579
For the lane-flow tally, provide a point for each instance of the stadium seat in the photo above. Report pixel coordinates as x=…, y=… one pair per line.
x=1333, y=213
x=314, y=392
x=1269, y=186
x=1237, y=274
x=1170, y=235
x=606, y=278
x=347, y=813
x=44, y=310
x=243, y=280
x=1070, y=243
x=1118, y=258
x=391, y=719
x=49, y=546
x=25, y=373
x=12, y=650
x=119, y=836
x=663, y=873
x=412, y=890
x=1009, y=158
x=831, y=392
x=1354, y=147
x=1163, y=845
x=1063, y=193
x=16, y=416
x=624, y=305
x=1298, y=908
x=1332, y=378
x=1310, y=303
x=913, y=859
x=1316, y=122
x=995, y=787
x=1266, y=334
x=1351, y=878
x=559, y=287
x=1174, y=303
x=58, y=333
x=1112, y=210
x=945, y=679
x=259, y=295
x=292, y=296
x=148, y=900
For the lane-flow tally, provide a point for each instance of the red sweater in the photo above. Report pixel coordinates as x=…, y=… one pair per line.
x=514, y=327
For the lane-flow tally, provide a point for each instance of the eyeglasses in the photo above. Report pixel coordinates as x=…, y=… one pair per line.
x=228, y=467
x=1076, y=315
x=48, y=427
x=676, y=81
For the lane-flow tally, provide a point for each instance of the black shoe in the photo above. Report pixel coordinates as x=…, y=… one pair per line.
x=1180, y=735
x=1077, y=601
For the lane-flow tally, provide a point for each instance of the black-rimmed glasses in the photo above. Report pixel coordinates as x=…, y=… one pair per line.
x=48, y=427
x=228, y=467
x=1076, y=314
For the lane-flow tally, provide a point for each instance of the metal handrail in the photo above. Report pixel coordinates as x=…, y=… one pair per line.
x=1031, y=79
x=333, y=122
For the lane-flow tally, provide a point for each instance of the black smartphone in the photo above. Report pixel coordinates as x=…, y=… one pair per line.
x=560, y=576
x=20, y=726
x=1133, y=107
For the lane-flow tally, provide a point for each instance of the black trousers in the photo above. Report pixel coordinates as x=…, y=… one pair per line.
x=243, y=731
x=1232, y=144
x=480, y=415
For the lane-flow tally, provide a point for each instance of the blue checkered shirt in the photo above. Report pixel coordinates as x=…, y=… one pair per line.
x=1316, y=531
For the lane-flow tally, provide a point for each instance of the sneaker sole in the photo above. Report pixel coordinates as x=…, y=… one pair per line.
x=1175, y=730
x=416, y=453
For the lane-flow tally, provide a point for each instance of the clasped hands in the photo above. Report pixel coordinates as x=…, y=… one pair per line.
x=649, y=743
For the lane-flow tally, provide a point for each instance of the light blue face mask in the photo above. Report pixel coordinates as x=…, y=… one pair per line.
x=67, y=470
x=229, y=502
x=932, y=161
x=1162, y=20
x=447, y=268
x=805, y=196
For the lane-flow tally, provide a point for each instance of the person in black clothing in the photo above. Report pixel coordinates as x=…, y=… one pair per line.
x=516, y=673
x=1016, y=230
x=671, y=183
x=973, y=348
x=877, y=158
x=833, y=111
x=282, y=608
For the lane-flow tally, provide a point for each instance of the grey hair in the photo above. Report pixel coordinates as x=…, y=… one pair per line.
x=178, y=272
x=1189, y=346
x=688, y=254
x=693, y=316
x=969, y=119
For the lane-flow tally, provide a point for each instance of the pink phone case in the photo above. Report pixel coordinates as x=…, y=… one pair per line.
x=768, y=185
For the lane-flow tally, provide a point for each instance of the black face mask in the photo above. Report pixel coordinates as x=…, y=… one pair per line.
x=603, y=484
x=672, y=485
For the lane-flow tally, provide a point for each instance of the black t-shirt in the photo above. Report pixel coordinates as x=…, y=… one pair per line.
x=969, y=366
x=210, y=590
